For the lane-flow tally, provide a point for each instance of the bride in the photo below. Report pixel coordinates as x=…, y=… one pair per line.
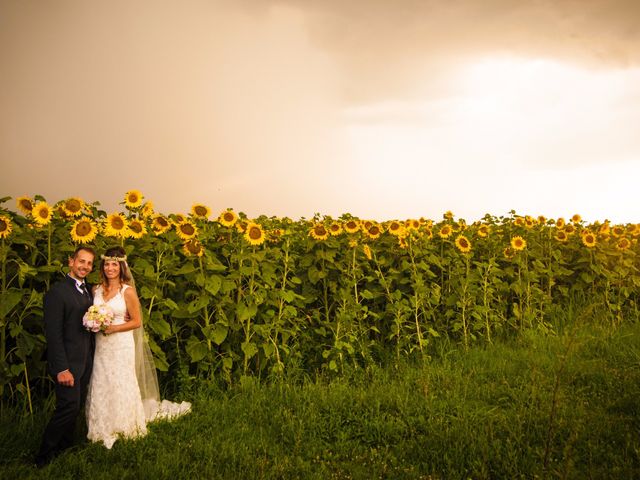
x=123, y=392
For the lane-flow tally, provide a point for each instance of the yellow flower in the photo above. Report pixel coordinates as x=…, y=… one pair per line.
x=84, y=230
x=635, y=231
x=73, y=206
x=186, y=230
x=160, y=224
x=200, y=211
x=193, y=248
x=445, y=231
x=576, y=218
x=374, y=231
x=254, y=234
x=353, y=243
x=352, y=226
x=623, y=244
x=137, y=229
x=25, y=204
x=5, y=226
x=589, y=239
x=570, y=229
x=542, y=220
x=115, y=226
x=318, y=232
x=483, y=231
x=42, y=213
x=519, y=222
x=147, y=209
x=228, y=218
x=463, y=244
x=242, y=225
x=560, y=223
x=176, y=218
x=397, y=229
x=133, y=199
x=402, y=242
x=561, y=236
x=448, y=215
x=367, y=251
x=365, y=225
x=508, y=252
x=518, y=243
x=412, y=224
x=335, y=229
x=617, y=231
x=529, y=222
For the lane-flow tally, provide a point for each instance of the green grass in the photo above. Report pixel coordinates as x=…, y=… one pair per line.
x=564, y=406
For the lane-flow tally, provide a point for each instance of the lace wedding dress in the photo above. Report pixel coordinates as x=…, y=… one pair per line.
x=114, y=403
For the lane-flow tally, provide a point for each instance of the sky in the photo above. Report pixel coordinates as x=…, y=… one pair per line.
x=380, y=109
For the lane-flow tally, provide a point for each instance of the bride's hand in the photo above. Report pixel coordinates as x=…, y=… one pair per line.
x=110, y=329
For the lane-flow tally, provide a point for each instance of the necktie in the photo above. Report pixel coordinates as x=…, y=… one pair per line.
x=83, y=288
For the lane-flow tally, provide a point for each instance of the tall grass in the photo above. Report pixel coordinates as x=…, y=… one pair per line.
x=538, y=406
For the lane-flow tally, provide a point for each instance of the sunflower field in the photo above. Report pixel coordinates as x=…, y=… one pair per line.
x=228, y=296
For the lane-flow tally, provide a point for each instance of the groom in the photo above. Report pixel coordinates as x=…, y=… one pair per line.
x=69, y=352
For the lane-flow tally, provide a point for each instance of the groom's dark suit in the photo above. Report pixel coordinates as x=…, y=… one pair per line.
x=69, y=347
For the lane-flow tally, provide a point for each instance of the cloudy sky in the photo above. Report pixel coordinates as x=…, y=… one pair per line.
x=377, y=108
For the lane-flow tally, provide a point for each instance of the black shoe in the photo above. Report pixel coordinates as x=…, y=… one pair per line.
x=42, y=461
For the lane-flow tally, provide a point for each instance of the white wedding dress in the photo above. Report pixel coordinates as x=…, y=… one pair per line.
x=114, y=405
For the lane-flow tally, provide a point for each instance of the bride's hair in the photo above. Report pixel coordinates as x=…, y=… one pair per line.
x=116, y=253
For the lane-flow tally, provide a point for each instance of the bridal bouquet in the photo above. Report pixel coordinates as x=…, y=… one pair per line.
x=98, y=318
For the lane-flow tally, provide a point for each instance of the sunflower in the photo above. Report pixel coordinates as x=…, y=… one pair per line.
x=160, y=224
x=589, y=239
x=576, y=218
x=560, y=223
x=570, y=229
x=5, y=226
x=186, y=230
x=25, y=204
x=42, y=213
x=115, y=225
x=72, y=207
x=274, y=235
x=147, y=209
x=402, y=242
x=519, y=222
x=351, y=226
x=397, y=229
x=542, y=220
x=365, y=225
x=561, y=236
x=133, y=199
x=137, y=229
x=518, y=243
x=254, y=234
x=635, y=231
x=353, y=243
x=318, y=232
x=374, y=231
x=84, y=230
x=200, y=211
x=448, y=215
x=241, y=226
x=617, y=231
x=176, y=218
x=193, y=248
x=508, y=253
x=463, y=244
x=529, y=222
x=412, y=224
x=483, y=231
x=429, y=233
x=335, y=229
x=623, y=244
x=367, y=251
x=228, y=218
x=604, y=230
x=445, y=231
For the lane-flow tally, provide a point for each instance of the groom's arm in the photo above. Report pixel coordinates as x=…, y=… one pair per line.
x=54, y=331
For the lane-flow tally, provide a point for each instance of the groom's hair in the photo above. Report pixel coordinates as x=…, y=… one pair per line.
x=85, y=248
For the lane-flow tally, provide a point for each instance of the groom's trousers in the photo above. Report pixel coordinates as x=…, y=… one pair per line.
x=59, y=433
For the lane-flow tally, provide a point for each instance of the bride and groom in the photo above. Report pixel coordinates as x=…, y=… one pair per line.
x=119, y=380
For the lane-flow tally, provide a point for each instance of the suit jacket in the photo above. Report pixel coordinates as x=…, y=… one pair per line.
x=69, y=344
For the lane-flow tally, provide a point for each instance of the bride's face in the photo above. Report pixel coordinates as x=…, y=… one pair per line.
x=111, y=269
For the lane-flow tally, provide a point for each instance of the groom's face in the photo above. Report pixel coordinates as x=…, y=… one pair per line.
x=81, y=265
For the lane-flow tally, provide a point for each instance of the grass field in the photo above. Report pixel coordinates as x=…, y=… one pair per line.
x=538, y=406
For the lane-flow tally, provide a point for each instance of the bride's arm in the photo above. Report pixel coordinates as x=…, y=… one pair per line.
x=133, y=309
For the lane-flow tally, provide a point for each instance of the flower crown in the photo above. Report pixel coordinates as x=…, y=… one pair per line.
x=107, y=258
